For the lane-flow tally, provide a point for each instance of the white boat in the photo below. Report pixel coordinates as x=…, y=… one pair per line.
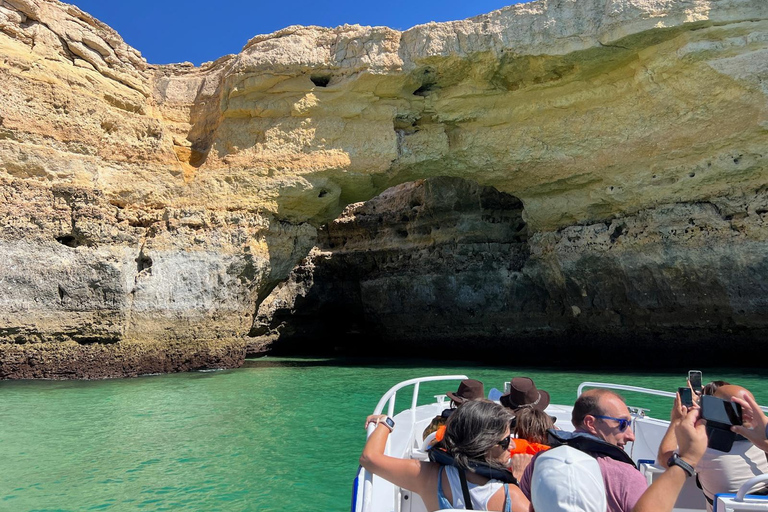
x=374, y=494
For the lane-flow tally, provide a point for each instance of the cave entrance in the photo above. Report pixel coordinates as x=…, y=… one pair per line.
x=426, y=264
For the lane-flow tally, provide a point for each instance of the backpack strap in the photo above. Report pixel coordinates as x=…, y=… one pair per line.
x=465, y=489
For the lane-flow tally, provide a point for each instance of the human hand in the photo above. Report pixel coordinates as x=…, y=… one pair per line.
x=755, y=418
x=678, y=411
x=374, y=418
x=691, y=437
x=518, y=463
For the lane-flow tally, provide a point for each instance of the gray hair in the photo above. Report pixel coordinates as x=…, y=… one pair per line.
x=473, y=430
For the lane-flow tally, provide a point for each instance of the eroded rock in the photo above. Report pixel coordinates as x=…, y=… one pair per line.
x=164, y=203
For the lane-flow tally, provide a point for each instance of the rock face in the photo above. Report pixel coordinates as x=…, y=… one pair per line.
x=444, y=267
x=161, y=204
x=435, y=261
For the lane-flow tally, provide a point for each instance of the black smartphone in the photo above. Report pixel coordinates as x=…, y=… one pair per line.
x=720, y=413
x=686, y=396
x=694, y=377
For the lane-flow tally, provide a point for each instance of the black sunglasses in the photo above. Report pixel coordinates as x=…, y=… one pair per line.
x=623, y=424
x=504, y=443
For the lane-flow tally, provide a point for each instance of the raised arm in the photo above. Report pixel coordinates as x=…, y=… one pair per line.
x=662, y=494
x=409, y=474
x=668, y=444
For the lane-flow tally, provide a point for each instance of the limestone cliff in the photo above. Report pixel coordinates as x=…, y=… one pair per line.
x=442, y=267
x=146, y=206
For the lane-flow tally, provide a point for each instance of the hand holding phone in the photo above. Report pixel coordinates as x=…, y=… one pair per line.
x=686, y=396
x=694, y=380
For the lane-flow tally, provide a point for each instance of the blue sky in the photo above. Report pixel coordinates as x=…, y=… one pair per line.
x=167, y=31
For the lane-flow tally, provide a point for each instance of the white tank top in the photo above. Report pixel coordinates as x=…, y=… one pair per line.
x=479, y=494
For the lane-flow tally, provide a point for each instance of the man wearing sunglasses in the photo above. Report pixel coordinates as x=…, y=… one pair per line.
x=603, y=426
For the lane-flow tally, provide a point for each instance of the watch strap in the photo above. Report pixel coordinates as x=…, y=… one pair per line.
x=388, y=422
x=675, y=460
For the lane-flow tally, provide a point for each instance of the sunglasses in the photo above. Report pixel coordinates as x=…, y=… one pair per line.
x=504, y=443
x=623, y=424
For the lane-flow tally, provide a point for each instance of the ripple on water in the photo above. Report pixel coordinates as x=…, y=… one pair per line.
x=274, y=435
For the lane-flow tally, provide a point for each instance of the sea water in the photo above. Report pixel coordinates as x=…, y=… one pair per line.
x=277, y=434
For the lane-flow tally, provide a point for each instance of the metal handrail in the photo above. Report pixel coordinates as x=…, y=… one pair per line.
x=637, y=389
x=389, y=399
x=749, y=484
x=622, y=387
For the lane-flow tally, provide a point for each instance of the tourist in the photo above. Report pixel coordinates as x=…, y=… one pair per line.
x=710, y=388
x=477, y=436
x=718, y=471
x=691, y=436
x=469, y=389
x=530, y=430
x=567, y=480
x=603, y=427
x=523, y=394
x=755, y=426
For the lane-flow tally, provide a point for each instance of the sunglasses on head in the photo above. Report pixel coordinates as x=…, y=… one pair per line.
x=504, y=443
x=623, y=424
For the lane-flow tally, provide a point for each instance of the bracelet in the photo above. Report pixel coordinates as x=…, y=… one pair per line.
x=766, y=431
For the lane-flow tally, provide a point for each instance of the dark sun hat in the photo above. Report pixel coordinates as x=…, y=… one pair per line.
x=523, y=393
x=469, y=389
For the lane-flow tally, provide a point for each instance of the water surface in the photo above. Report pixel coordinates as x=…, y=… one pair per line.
x=277, y=434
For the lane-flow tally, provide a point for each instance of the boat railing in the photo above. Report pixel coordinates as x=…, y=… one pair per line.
x=388, y=400
x=622, y=387
x=636, y=389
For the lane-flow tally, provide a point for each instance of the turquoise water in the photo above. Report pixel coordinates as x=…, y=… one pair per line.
x=277, y=434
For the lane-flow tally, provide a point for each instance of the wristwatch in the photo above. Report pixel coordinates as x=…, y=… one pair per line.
x=388, y=422
x=675, y=460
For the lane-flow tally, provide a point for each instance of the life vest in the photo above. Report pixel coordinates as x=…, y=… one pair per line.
x=587, y=443
x=523, y=446
x=442, y=457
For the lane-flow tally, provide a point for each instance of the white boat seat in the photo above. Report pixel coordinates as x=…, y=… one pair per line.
x=740, y=502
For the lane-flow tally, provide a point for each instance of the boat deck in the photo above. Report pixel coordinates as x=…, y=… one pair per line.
x=374, y=494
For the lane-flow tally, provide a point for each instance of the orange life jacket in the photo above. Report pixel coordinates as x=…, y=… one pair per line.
x=523, y=446
x=520, y=445
x=440, y=434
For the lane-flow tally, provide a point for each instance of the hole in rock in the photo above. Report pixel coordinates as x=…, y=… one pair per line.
x=143, y=262
x=320, y=80
x=70, y=240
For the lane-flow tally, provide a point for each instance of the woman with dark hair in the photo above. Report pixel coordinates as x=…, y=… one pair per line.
x=476, y=441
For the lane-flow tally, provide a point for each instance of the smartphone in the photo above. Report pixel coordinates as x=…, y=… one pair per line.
x=694, y=378
x=686, y=396
x=719, y=413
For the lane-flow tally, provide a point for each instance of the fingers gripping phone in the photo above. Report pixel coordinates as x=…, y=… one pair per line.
x=686, y=396
x=694, y=379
